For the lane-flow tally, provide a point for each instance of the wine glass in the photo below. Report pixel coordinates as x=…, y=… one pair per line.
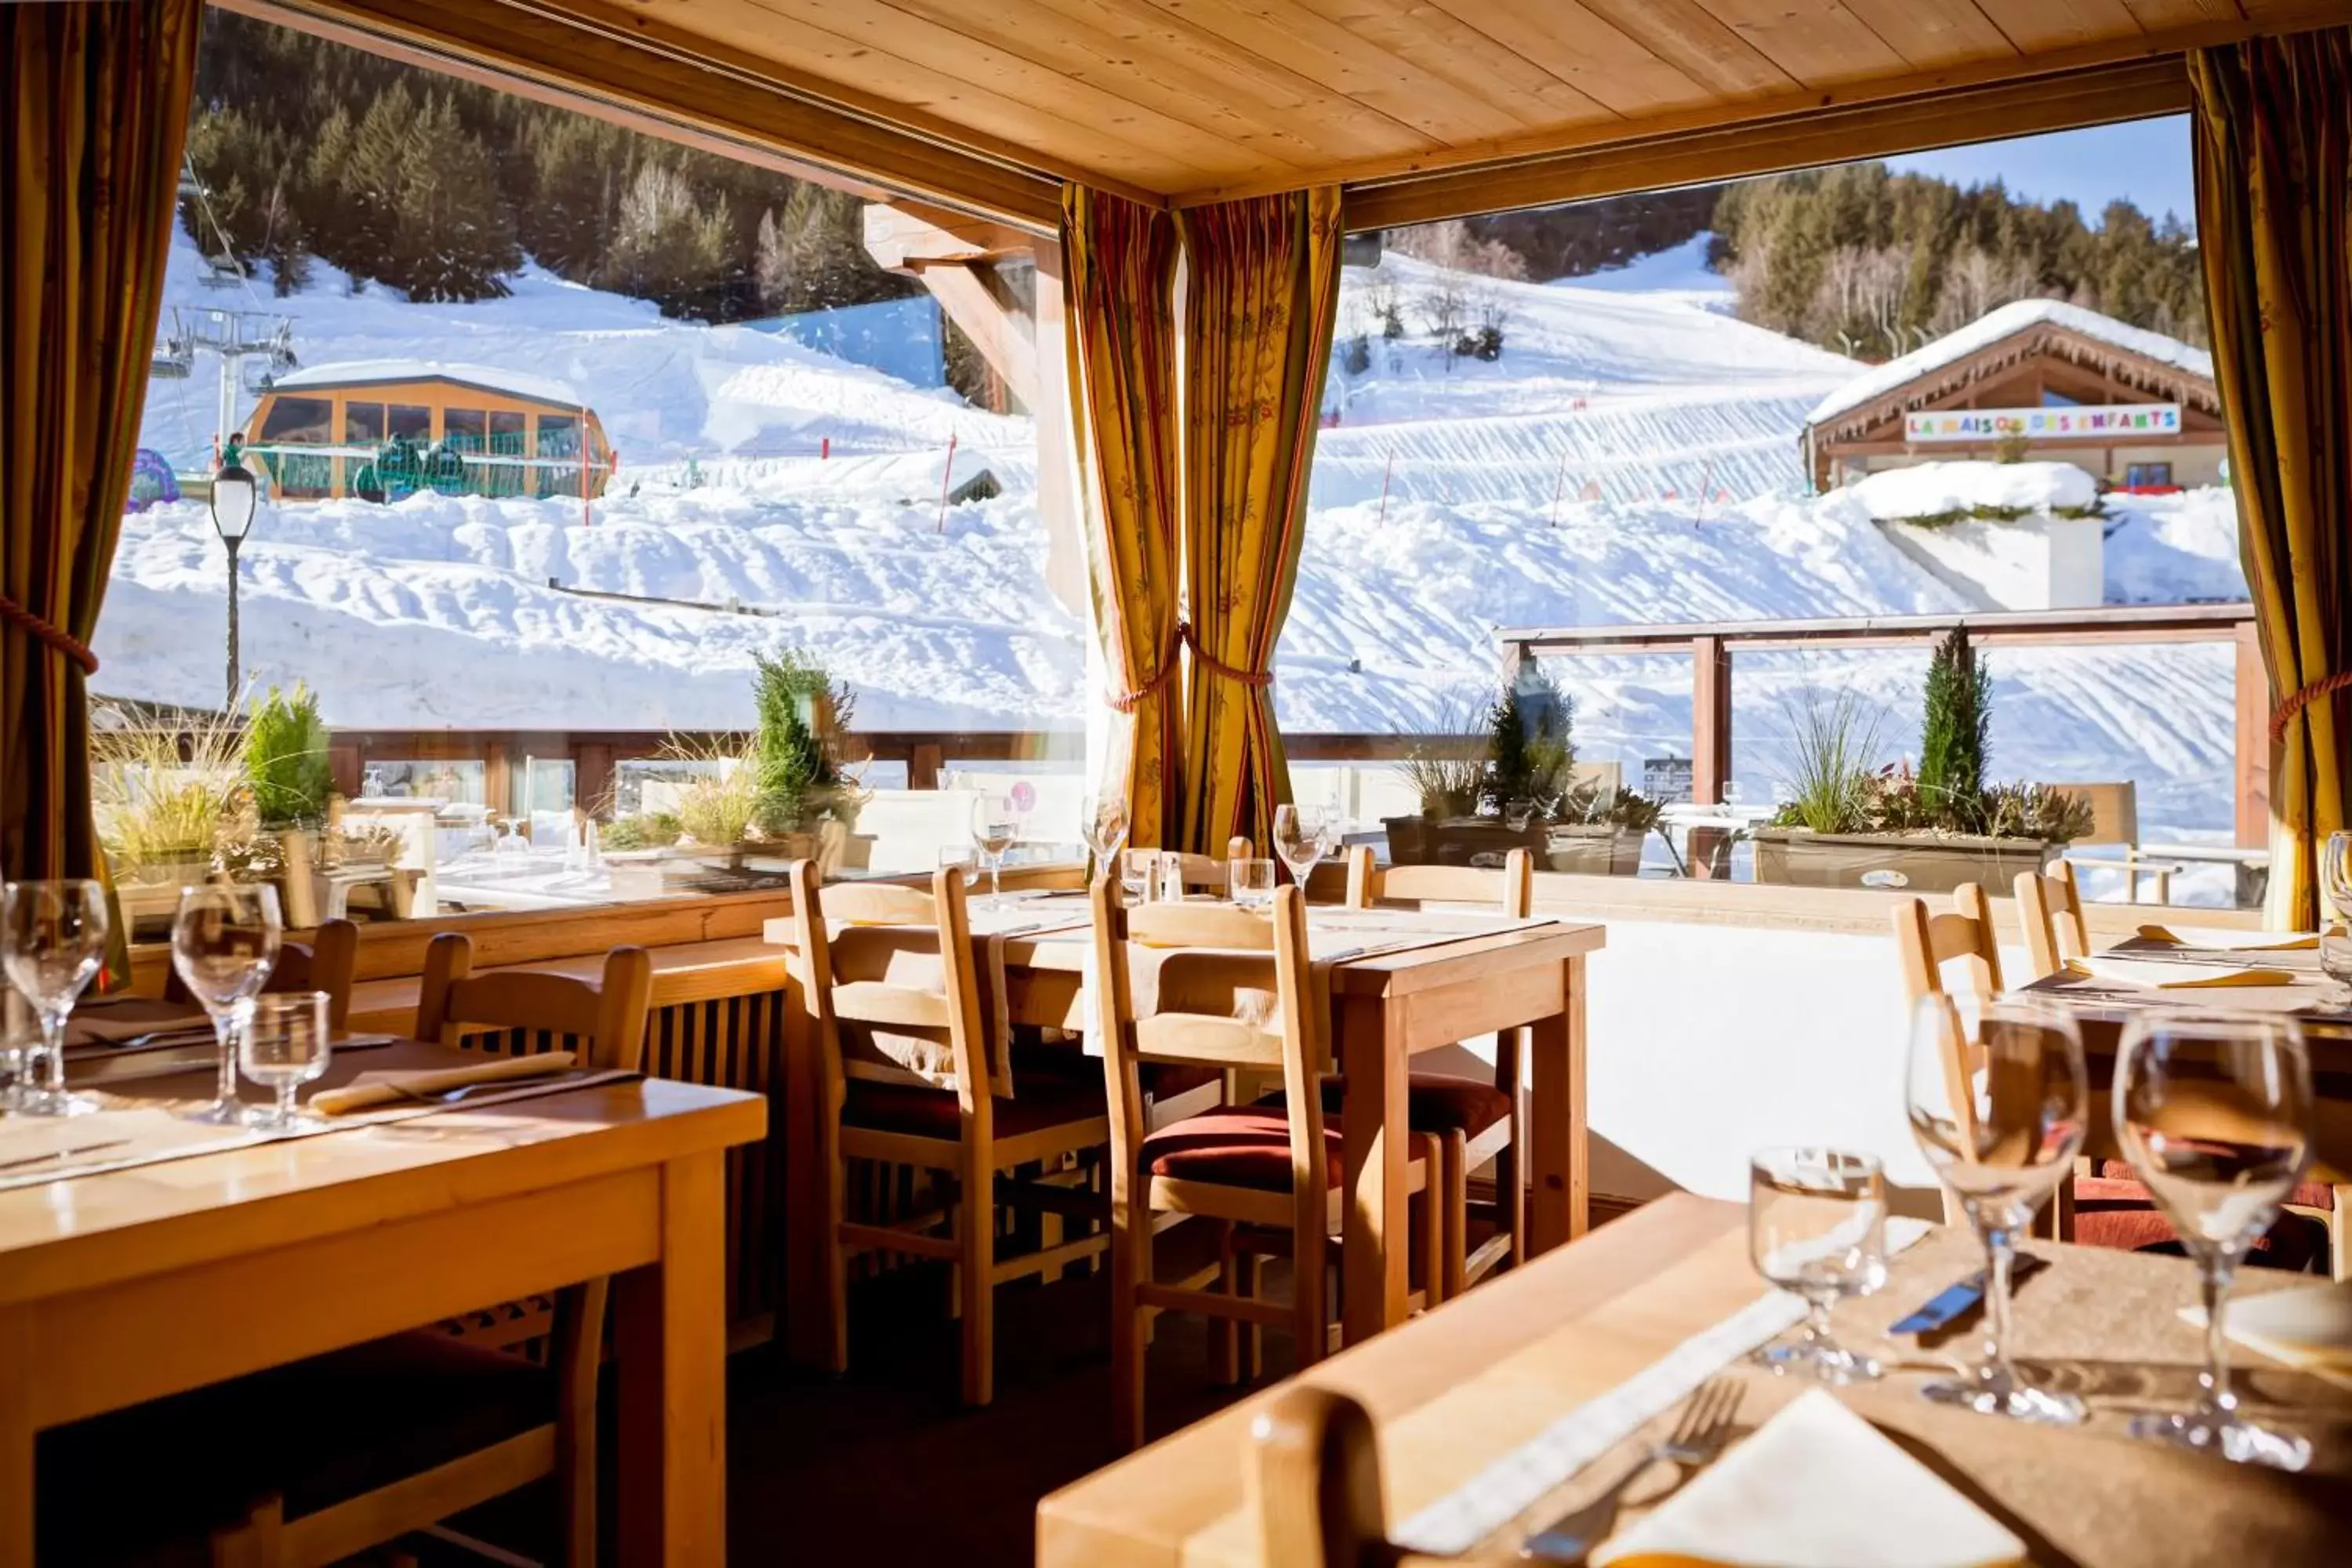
x=223, y=943
x=994, y=827
x=2336, y=934
x=2214, y=1112
x=1997, y=1095
x=1249, y=881
x=1104, y=823
x=53, y=940
x=1298, y=839
x=1817, y=1227
x=285, y=1044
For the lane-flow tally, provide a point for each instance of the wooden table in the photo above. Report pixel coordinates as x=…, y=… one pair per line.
x=1387, y=1007
x=126, y=1287
x=1455, y=1390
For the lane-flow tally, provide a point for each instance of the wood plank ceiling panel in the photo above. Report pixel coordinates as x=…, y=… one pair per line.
x=2155, y=15
x=1819, y=42
x=1951, y=33
x=2037, y=24
x=1695, y=41
x=1578, y=46
x=942, y=73
x=1294, y=37
x=1470, y=58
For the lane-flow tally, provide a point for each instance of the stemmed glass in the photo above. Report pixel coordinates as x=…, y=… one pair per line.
x=53, y=939
x=994, y=827
x=1298, y=839
x=223, y=943
x=1817, y=1227
x=2335, y=935
x=1997, y=1095
x=1104, y=826
x=2214, y=1112
x=285, y=1044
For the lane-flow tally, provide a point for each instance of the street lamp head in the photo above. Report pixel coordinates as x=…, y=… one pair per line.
x=235, y=493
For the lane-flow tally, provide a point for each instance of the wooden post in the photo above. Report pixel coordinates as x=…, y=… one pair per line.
x=923, y=767
x=1710, y=720
x=592, y=776
x=2253, y=762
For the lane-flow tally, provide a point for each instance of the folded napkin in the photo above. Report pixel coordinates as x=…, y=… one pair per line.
x=371, y=1089
x=2232, y=941
x=2163, y=974
x=1815, y=1486
x=2309, y=1328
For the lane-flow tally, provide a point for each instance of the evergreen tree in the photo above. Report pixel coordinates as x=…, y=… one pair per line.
x=666, y=245
x=1955, y=732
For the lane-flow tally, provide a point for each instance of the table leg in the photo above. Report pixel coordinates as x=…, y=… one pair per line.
x=1562, y=1161
x=1376, y=1224
x=16, y=1440
x=671, y=1333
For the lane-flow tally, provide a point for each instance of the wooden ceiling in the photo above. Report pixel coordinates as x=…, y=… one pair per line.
x=1186, y=100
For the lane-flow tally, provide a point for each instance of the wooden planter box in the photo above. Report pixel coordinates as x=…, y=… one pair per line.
x=1803, y=859
x=1458, y=840
x=1593, y=851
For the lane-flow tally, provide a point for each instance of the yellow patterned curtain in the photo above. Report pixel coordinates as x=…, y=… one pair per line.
x=93, y=109
x=1262, y=290
x=1118, y=266
x=2274, y=141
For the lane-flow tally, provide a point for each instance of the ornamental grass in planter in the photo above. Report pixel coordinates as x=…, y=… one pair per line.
x=1849, y=825
x=164, y=799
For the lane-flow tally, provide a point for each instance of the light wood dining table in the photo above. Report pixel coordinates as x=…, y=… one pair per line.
x=1477, y=1380
x=1389, y=1004
x=130, y=1285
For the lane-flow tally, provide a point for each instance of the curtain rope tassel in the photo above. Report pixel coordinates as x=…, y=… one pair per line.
x=57, y=637
x=2326, y=686
x=1185, y=637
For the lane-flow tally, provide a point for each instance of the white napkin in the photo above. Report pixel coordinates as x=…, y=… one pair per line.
x=1815, y=1486
x=2310, y=1327
x=2212, y=940
x=2166, y=974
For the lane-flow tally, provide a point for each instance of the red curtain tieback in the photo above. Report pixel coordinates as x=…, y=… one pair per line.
x=2325, y=687
x=63, y=641
x=1185, y=637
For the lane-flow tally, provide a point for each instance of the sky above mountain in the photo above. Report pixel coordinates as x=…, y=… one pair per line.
x=2146, y=162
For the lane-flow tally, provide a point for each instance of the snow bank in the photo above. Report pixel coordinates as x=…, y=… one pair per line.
x=1932, y=490
x=2174, y=550
x=2007, y=321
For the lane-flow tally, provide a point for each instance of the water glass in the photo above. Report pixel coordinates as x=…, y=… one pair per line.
x=1997, y=1094
x=994, y=828
x=225, y=940
x=1138, y=870
x=2214, y=1112
x=963, y=857
x=52, y=942
x=285, y=1043
x=1817, y=1227
x=2335, y=922
x=1298, y=839
x=1250, y=882
x=1103, y=821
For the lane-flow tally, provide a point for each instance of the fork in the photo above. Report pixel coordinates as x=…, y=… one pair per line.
x=1699, y=1434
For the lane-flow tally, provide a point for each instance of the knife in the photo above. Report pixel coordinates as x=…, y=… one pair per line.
x=1956, y=1305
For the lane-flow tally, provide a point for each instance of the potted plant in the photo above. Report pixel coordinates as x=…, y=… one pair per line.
x=1451, y=773
x=163, y=797
x=1599, y=832
x=805, y=804
x=1849, y=825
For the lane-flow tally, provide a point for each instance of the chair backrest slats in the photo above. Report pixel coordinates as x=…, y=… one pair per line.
x=1200, y=925
x=536, y=1010
x=2049, y=908
x=1928, y=940
x=1511, y=888
x=325, y=962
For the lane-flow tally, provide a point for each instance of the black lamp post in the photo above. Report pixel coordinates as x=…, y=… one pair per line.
x=235, y=494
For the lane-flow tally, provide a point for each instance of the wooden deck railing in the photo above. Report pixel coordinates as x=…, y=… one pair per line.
x=1711, y=646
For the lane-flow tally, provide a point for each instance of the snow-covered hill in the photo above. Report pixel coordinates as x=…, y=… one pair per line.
x=1631, y=456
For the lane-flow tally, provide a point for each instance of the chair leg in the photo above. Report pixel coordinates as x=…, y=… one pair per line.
x=1246, y=1267
x=976, y=1228
x=836, y=1258
x=1310, y=1310
x=1452, y=1175
x=1225, y=1344
x=1510, y=1175
x=1131, y=1264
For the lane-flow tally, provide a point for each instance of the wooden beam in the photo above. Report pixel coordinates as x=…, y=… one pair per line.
x=1710, y=720
x=903, y=236
x=623, y=66
x=1057, y=457
x=990, y=319
x=1776, y=136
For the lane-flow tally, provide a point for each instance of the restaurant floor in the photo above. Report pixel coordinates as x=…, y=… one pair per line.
x=883, y=1465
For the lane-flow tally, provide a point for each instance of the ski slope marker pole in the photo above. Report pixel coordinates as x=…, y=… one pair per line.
x=1386, y=469
x=946, y=478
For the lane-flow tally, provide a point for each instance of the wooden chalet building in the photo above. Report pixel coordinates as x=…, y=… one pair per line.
x=2135, y=408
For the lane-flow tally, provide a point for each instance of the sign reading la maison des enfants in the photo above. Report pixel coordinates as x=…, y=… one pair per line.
x=2109, y=422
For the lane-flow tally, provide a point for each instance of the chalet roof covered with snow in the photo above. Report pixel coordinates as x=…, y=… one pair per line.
x=386, y=372
x=2007, y=321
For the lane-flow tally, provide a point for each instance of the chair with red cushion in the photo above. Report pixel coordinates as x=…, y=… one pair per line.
x=1474, y=1119
x=1268, y=1176
x=942, y=1115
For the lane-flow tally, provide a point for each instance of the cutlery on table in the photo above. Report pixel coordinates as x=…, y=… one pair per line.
x=1956, y=1305
x=57, y=1156
x=1702, y=1432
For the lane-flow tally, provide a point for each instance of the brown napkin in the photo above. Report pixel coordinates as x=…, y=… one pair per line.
x=2230, y=942
x=2167, y=975
x=368, y=1090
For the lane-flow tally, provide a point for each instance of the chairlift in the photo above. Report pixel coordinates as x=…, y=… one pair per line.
x=173, y=359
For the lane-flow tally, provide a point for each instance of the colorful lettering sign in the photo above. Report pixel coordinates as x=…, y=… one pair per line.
x=2112, y=422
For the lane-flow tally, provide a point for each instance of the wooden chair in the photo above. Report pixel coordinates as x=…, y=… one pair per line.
x=325, y=964
x=1314, y=1482
x=2049, y=908
x=334, y=1456
x=1472, y=1127
x=2115, y=819
x=1268, y=1176
x=965, y=1131
x=1203, y=874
